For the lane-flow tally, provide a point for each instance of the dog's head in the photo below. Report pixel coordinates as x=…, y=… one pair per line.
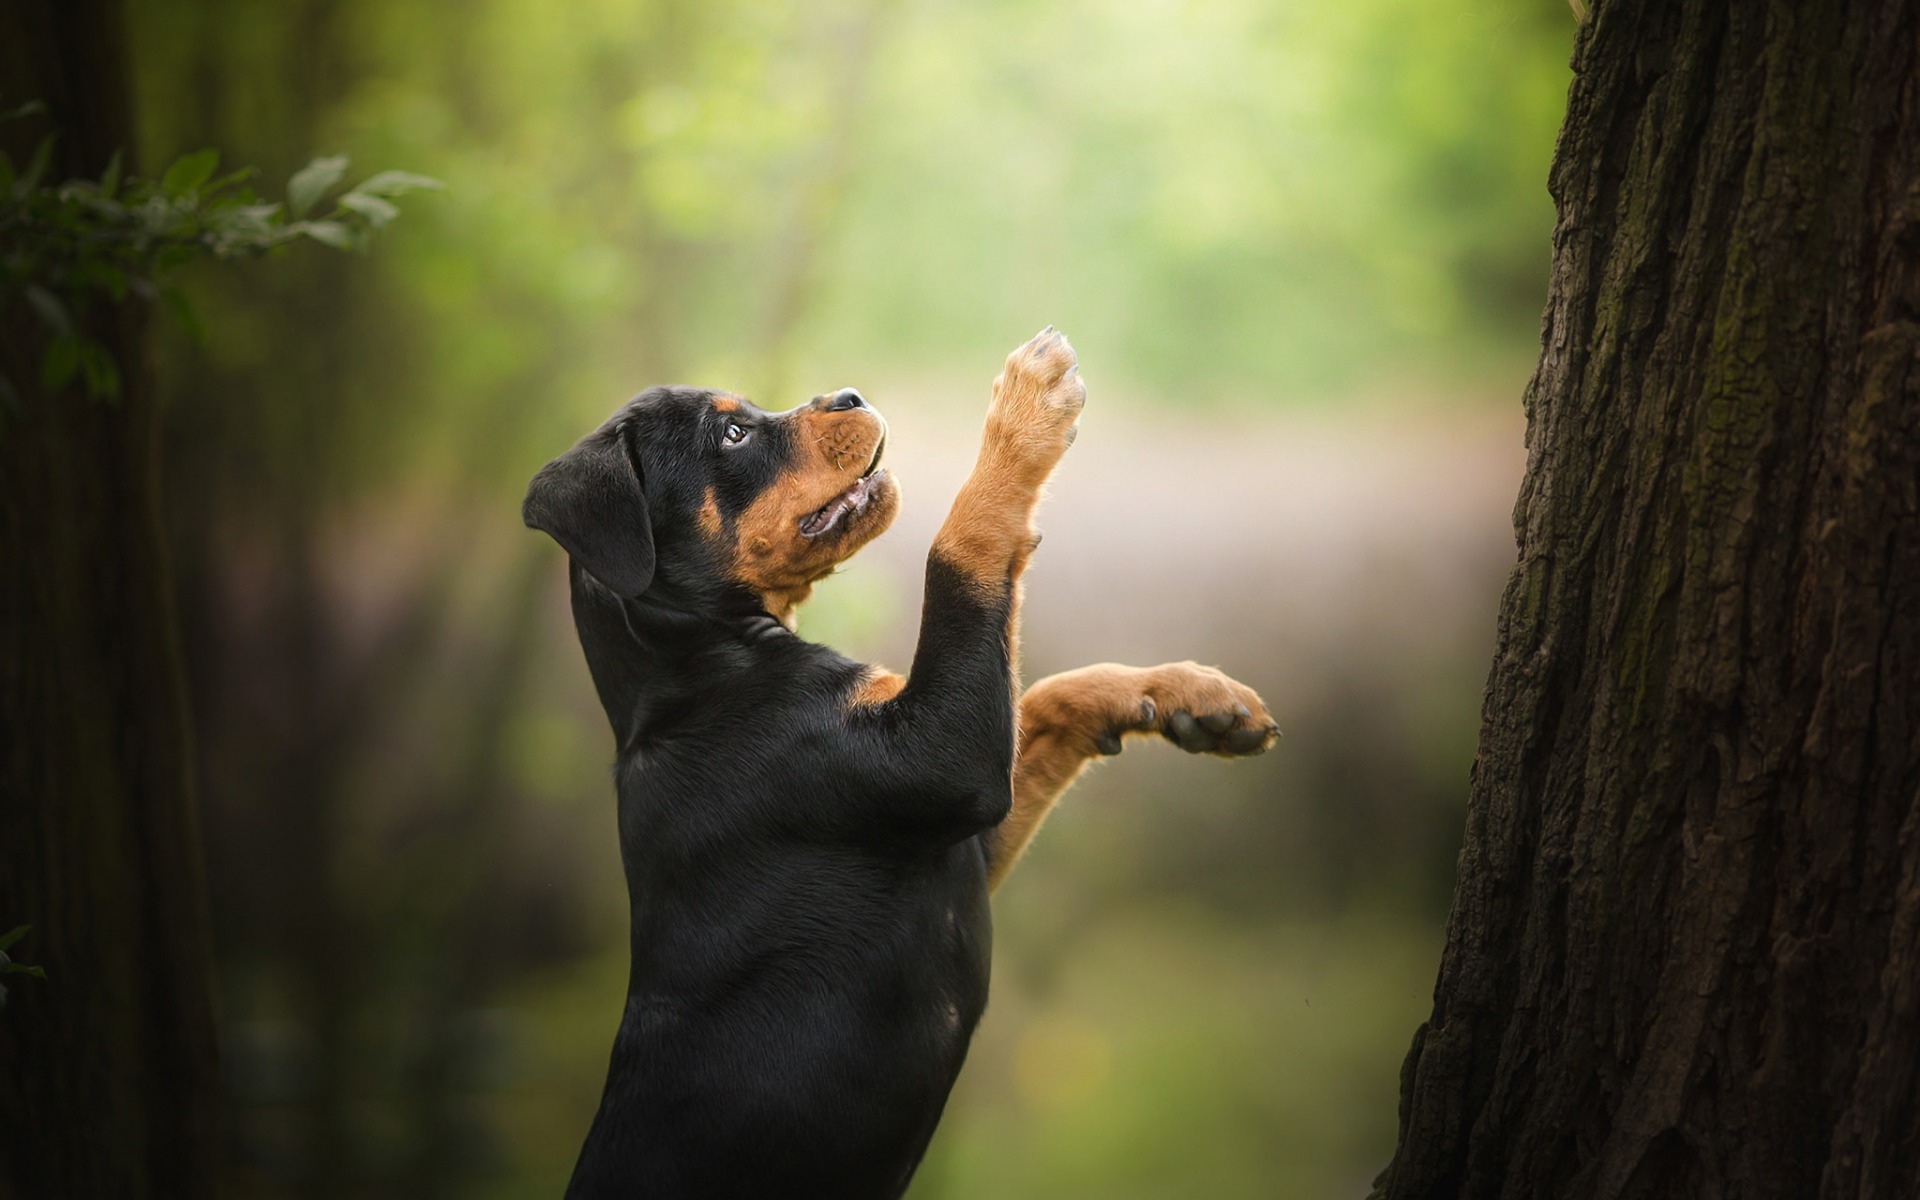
x=704, y=497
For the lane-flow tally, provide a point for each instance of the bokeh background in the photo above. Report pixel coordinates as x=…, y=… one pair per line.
x=1301, y=249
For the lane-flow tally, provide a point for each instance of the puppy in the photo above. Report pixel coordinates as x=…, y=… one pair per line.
x=809, y=841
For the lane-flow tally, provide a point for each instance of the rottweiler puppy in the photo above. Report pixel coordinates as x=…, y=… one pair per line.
x=809, y=841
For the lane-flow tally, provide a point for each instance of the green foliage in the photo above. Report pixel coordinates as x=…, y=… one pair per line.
x=65, y=247
x=10, y=967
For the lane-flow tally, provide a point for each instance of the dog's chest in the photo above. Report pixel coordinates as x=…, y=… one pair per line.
x=692, y=801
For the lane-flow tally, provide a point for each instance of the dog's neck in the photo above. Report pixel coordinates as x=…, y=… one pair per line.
x=648, y=653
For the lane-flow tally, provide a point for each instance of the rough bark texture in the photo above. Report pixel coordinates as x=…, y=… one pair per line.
x=107, y=1081
x=1684, y=956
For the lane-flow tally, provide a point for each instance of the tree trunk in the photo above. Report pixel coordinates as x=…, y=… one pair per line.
x=1684, y=955
x=108, y=1066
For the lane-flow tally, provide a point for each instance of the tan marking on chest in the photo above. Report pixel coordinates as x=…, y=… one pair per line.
x=877, y=686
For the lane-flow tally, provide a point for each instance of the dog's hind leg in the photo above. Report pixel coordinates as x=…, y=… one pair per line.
x=1067, y=720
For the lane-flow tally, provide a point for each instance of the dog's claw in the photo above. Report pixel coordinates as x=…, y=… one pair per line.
x=1107, y=743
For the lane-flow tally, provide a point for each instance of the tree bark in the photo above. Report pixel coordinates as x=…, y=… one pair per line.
x=1684, y=954
x=110, y=1086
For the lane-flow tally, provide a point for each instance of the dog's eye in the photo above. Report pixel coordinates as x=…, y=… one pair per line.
x=735, y=433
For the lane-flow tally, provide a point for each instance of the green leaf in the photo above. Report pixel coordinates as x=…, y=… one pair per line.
x=36, y=972
x=395, y=183
x=13, y=935
x=61, y=362
x=36, y=167
x=189, y=171
x=110, y=180
x=50, y=309
x=329, y=233
x=377, y=211
x=311, y=182
x=30, y=108
x=230, y=179
x=255, y=222
x=6, y=175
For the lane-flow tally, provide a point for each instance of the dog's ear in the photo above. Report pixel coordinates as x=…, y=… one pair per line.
x=590, y=501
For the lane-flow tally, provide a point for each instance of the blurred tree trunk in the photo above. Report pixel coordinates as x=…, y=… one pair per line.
x=1684, y=955
x=110, y=1085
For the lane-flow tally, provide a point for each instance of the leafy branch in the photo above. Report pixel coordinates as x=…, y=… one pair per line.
x=65, y=246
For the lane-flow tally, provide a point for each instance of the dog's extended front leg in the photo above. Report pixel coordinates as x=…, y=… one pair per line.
x=1067, y=720
x=953, y=716
x=988, y=535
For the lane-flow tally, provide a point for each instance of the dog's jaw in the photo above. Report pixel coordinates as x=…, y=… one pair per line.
x=846, y=508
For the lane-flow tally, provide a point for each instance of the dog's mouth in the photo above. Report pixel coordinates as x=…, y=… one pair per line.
x=849, y=503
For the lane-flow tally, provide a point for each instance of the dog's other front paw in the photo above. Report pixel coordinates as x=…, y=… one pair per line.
x=1037, y=401
x=1204, y=711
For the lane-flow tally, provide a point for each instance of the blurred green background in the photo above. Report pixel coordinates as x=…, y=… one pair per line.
x=1301, y=249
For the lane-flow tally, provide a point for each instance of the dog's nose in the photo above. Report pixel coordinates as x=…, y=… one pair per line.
x=844, y=399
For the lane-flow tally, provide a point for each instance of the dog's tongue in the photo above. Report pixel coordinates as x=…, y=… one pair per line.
x=837, y=507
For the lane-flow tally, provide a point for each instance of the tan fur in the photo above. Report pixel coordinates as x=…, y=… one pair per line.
x=877, y=686
x=989, y=532
x=783, y=604
x=1062, y=718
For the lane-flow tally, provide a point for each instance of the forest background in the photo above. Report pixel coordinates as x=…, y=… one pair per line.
x=1301, y=249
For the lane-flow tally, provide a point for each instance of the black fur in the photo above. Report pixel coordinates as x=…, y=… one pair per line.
x=810, y=932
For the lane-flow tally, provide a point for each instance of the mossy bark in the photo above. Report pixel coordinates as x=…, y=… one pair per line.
x=1684, y=954
x=107, y=1076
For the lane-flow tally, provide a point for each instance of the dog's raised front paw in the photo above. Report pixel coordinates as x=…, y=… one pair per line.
x=1203, y=711
x=1037, y=400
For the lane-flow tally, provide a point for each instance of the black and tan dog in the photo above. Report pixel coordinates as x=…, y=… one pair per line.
x=809, y=841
